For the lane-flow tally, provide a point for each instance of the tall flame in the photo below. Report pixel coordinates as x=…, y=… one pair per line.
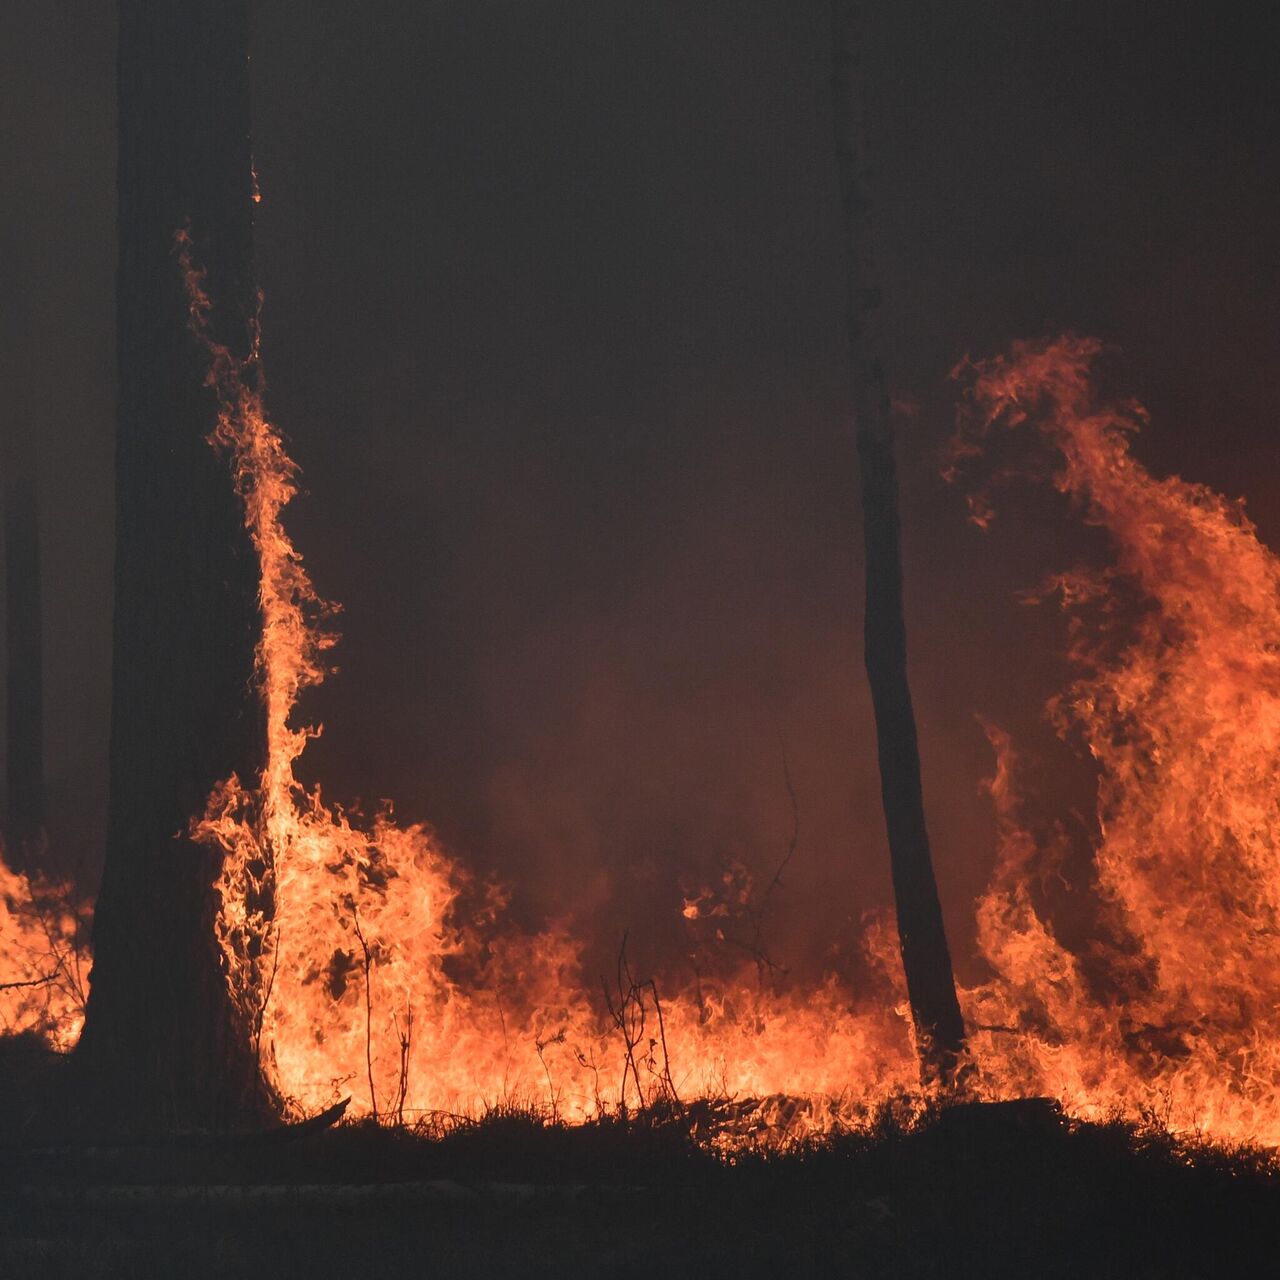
x=346, y=943
x=1175, y=1009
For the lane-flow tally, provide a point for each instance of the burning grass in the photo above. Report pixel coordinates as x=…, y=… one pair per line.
x=368, y=963
x=354, y=975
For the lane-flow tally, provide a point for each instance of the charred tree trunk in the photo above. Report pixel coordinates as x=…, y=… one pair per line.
x=25, y=829
x=161, y=1032
x=925, y=956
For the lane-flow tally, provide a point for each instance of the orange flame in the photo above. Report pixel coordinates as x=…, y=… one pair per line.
x=41, y=975
x=1177, y=647
x=370, y=963
x=339, y=936
x=353, y=972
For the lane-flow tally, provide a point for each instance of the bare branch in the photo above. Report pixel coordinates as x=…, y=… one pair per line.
x=368, y=1009
x=31, y=982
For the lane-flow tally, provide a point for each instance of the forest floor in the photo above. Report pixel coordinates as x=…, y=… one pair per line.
x=1012, y=1190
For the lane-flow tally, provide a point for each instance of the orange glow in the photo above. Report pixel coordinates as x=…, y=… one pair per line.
x=41, y=974
x=357, y=983
x=353, y=977
x=372, y=964
x=1176, y=649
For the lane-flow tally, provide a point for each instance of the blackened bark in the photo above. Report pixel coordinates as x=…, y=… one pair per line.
x=24, y=771
x=186, y=711
x=925, y=955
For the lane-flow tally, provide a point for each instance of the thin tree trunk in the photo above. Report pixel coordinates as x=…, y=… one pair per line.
x=925, y=956
x=186, y=711
x=25, y=827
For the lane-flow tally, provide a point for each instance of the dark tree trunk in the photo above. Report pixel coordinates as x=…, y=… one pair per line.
x=925, y=956
x=25, y=831
x=186, y=711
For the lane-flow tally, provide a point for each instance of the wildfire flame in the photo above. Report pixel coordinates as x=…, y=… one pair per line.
x=368, y=962
x=41, y=972
x=344, y=940
x=1175, y=1010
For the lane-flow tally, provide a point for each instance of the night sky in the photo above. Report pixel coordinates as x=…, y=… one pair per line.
x=554, y=328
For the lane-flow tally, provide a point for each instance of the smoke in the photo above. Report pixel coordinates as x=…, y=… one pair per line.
x=553, y=326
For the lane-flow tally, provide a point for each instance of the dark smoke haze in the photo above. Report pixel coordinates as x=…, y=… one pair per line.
x=553, y=324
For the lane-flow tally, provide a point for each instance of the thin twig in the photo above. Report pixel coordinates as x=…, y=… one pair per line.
x=31, y=982
x=776, y=882
x=540, y=1044
x=762, y=958
x=368, y=1010
x=624, y=1020
x=406, y=1040
x=662, y=1035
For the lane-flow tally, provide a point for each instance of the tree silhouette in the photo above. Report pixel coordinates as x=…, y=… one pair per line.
x=161, y=1033
x=926, y=959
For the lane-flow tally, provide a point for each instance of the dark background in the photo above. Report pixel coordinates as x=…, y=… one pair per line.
x=553, y=325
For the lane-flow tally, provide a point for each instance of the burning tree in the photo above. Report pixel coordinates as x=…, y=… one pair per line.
x=925, y=957
x=162, y=1035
